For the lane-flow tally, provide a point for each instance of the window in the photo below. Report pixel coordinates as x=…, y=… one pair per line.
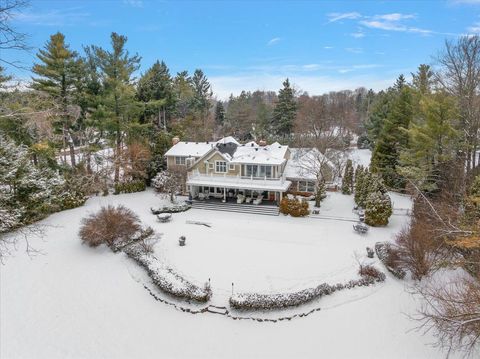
x=210, y=166
x=306, y=186
x=266, y=171
x=220, y=166
x=231, y=167
x=251, y=170
x=190, y=161
x=180, y=160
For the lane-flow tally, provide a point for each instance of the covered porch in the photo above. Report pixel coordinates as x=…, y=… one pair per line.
x=248, y=192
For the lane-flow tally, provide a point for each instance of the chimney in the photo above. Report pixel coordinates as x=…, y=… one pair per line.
x=262, y=143
x=175, y=140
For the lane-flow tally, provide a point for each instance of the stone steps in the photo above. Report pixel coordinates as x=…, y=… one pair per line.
x=238, y=208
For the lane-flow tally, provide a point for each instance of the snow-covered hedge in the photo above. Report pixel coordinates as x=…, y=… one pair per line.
x=383, y=250
x=171, y=209
x=166, y=279
x=275, y=301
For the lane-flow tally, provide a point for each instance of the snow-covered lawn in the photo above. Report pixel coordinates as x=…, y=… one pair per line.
x=73, y=301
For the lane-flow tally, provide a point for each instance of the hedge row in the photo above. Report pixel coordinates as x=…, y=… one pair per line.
x=276, y=301
x=166, y=279
x=384, y=250
x=171, y=209
x=130, y=187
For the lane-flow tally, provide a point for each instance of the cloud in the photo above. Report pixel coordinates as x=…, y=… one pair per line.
x=53, y=17
x=133, y=3
x=394, y=16
x=358, y=35
x=333, y=17
x=354, y=50
x=273, y=41
x=474, y=29
x=328, y=47
x=468, y=2
x=223, y=86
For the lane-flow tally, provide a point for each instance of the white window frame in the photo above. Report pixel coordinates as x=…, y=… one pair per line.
x=231, y=167
x=220, y=163
x=180, y=161
x=211, y=165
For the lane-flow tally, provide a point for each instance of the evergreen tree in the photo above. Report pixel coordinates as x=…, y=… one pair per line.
x=117, y=68
x=3, y=77
x=155, y=88
x=219, y=114
x=378, y=209
x=360, y=174
x=393, y=137
x=183, y=88
x=381, y=107
x=432, y=142
x=202, y=94
x=58, y=74
x=285, y=111
x=422, y=80
x=347, y=181
x=320, y=193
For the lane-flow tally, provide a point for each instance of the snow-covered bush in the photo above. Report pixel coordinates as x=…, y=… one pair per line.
x=371, y=271
x=171, y=209
x=294, y=207
x=110, y=225
x=166, y=279
x=283, y=300
x=378, y=209
x=388, y=255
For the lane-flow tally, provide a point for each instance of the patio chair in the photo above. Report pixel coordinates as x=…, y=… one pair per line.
x=201, y=196
x=248, y=199
x=258, y=200
x=240, y=198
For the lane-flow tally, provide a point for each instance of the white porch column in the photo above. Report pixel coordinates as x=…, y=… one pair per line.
x=224, y=195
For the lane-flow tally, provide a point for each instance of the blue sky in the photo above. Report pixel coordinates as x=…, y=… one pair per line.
x=319, y=45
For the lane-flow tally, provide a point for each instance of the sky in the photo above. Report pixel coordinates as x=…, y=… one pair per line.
x=320, y=46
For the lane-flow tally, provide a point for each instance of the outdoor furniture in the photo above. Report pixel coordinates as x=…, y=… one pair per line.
x=360, y=227
x=248, y=199
x=164, y=218
x=240, y=198
x=181, y=241
x=201, y=196
x=361, y=215
x=258, y=200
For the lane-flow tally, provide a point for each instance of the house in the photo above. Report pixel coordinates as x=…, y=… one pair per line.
x=246, y=173
x=306, y=167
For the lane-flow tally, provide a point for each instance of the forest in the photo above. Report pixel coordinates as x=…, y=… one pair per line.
x=89, y=123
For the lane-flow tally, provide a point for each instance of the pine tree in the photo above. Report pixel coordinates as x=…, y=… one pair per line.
x=320, y=193
x=432, y=142
x=3, y=77
x=285, y=111
x=155, y=89
x=58, y=73
x=394, y=137
x=422, y=80
x=359, y=179
x=117, y=68
x=202, y=94
x=219, y=114
x=347, y=181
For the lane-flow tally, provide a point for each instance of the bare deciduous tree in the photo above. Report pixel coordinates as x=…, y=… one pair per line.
x=10, y=38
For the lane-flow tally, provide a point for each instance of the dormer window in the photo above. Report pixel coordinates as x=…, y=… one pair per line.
x=180, y=161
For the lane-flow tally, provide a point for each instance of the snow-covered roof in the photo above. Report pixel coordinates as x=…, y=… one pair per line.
x=196, y=149
x=273, y=154
x=190, y=149
x=304, y=163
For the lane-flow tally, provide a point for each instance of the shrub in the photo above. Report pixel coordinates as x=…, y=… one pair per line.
x=378, y=209
x=389, y=257
x=294, y=207
x=130, y=187
x=110, y=225
x=372, y=272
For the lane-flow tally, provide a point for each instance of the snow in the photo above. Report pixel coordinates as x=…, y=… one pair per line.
x=73, y=301
x=190, y=149
x=273, y=154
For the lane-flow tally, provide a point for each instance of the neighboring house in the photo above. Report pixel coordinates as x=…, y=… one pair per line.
x=306, y=167
x=249, y=172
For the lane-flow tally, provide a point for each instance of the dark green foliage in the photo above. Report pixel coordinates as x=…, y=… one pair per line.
x=130, y=187
x=378, y=209
x=219, y=114
x=320, y=193
x=393, y=137
x=285, y=111
x=347, y=180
